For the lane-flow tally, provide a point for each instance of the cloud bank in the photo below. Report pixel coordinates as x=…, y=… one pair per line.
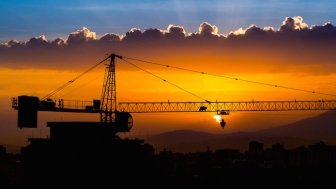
x=291, y=25
x=295, y=42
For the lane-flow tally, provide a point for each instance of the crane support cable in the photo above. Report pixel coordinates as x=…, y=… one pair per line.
x=164, y=80
x=74, y=79
x=231, y=77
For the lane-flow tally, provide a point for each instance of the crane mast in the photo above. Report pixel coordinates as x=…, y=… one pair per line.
x=109, y=93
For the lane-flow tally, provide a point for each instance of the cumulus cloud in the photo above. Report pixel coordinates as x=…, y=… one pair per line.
x=133, y=34
x=59, y=42
x=251, y=31
x=152, y=34
x=240, y=31
x=293, y=23
x=80, y=36
x=327, y=27
x=11, y=43
x=175, y=31
x=110, y=37
x=207, y=29
x=37, y=41
x=254, y=30
x=269, y=29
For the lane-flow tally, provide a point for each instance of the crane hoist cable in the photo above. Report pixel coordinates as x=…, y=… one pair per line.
x=76, y=88
x=231, y=77
x=164, y=80
x=184, y=69
x=74, y=79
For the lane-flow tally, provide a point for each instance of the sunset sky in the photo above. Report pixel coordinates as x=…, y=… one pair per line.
x=46, y=43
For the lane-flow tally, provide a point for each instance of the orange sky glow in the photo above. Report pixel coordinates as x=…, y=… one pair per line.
x=300, y=58
x=134, y=85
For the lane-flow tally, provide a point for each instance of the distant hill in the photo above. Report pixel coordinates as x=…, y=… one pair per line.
x=303, y=132
x=181, y=140
x=321, y=128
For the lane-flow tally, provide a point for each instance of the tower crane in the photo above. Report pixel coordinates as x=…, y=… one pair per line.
x=91, y=151
x=118, y=116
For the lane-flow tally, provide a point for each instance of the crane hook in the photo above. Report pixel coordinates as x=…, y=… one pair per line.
x=222, y=123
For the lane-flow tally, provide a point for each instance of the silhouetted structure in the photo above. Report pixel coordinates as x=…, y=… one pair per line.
x=85, y=155
x=109, y=162
x=2, y=150
x=255, y=147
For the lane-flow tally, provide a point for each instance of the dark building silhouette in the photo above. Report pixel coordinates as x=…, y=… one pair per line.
x=255, y=147
x=96, y=158
x=2, y=150
x=86, y=155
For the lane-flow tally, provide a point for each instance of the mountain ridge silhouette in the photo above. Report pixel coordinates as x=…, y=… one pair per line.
x=303, y=132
